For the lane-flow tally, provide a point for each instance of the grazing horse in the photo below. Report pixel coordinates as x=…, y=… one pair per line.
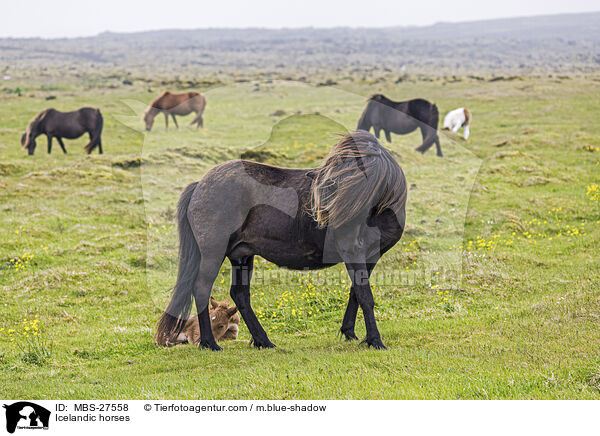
x=402, y=117
x=458, y=118
x=176, y=104
x=351, y=209
x=70, y=125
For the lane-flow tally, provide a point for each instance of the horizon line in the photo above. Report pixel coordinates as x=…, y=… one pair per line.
x=275, y=28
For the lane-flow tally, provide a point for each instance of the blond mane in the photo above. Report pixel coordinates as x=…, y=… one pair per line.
x=359, y=175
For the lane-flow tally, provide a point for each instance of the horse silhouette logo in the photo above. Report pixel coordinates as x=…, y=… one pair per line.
x=26, y=415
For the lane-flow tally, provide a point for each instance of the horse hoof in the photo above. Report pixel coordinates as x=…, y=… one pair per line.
x=350, y=335
x=210, y=345
x=263, y=343
x=375, y=343
x=378, y=346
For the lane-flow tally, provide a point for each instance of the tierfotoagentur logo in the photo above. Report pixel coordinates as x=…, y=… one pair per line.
x=24, y=415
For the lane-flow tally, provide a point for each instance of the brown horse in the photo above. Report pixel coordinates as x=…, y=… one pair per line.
x=70, y=125
x=176, y=104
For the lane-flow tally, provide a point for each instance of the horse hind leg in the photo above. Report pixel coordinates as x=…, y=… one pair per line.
x=175, y=121
x=198, y=121
x=429, y=138
x=61, y=143
x=438, y=147
x=388, y=136
x=207, y=273
x=90, y=145
x=241, y=273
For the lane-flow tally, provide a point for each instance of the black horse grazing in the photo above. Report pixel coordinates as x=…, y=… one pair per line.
x=70, y=125
x=402, y=117
x=351, y=209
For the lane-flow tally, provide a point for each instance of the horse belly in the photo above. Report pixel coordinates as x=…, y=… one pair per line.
x=68, y=131
x=181, y=109
x=401, y=123
x=275, y=236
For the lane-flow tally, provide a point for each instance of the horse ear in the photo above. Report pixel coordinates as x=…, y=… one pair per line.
x=231, y=311
x=213, y=302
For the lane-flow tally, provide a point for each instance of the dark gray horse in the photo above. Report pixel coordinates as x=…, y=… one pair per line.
x=351, y=209
x=70, y=125
x=402, y=117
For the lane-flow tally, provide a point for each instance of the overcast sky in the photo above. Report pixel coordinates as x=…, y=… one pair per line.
x=68, y=18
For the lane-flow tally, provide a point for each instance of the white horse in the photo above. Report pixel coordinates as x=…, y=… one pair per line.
x=458, y=118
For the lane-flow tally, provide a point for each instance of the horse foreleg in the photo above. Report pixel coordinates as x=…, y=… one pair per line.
x=388, y=136
x=377, y=131
x=166, y=120
x=175, y=121
x=241, y=273
x=49, y=143
x=359, y=275
x=349, y=320
x=61, y=143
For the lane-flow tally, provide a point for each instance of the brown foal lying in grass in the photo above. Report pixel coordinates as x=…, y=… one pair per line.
x=224, y=322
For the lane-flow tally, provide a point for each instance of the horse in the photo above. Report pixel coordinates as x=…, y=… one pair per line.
x=458, y=118
x=176, y=104
x=224, y=323
x=402, y=117
x=70, y=125
x=351, y=209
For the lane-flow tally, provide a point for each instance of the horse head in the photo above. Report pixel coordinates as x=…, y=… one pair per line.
x=149, y=116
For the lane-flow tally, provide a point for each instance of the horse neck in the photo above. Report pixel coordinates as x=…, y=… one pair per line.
x=153, y=112
x=34, y=130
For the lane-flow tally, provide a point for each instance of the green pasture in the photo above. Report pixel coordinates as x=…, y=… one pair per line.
x=493, y=292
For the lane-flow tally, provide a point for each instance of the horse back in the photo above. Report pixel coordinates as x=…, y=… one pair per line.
x=179, y=104
x=72, y=124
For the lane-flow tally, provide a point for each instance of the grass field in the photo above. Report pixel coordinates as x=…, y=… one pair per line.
x=89, y=249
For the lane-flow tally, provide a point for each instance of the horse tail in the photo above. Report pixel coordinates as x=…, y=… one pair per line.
x=199, y=103
x=96, y=132
x=434, y=117
x=467, y=122
x=174, y=317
